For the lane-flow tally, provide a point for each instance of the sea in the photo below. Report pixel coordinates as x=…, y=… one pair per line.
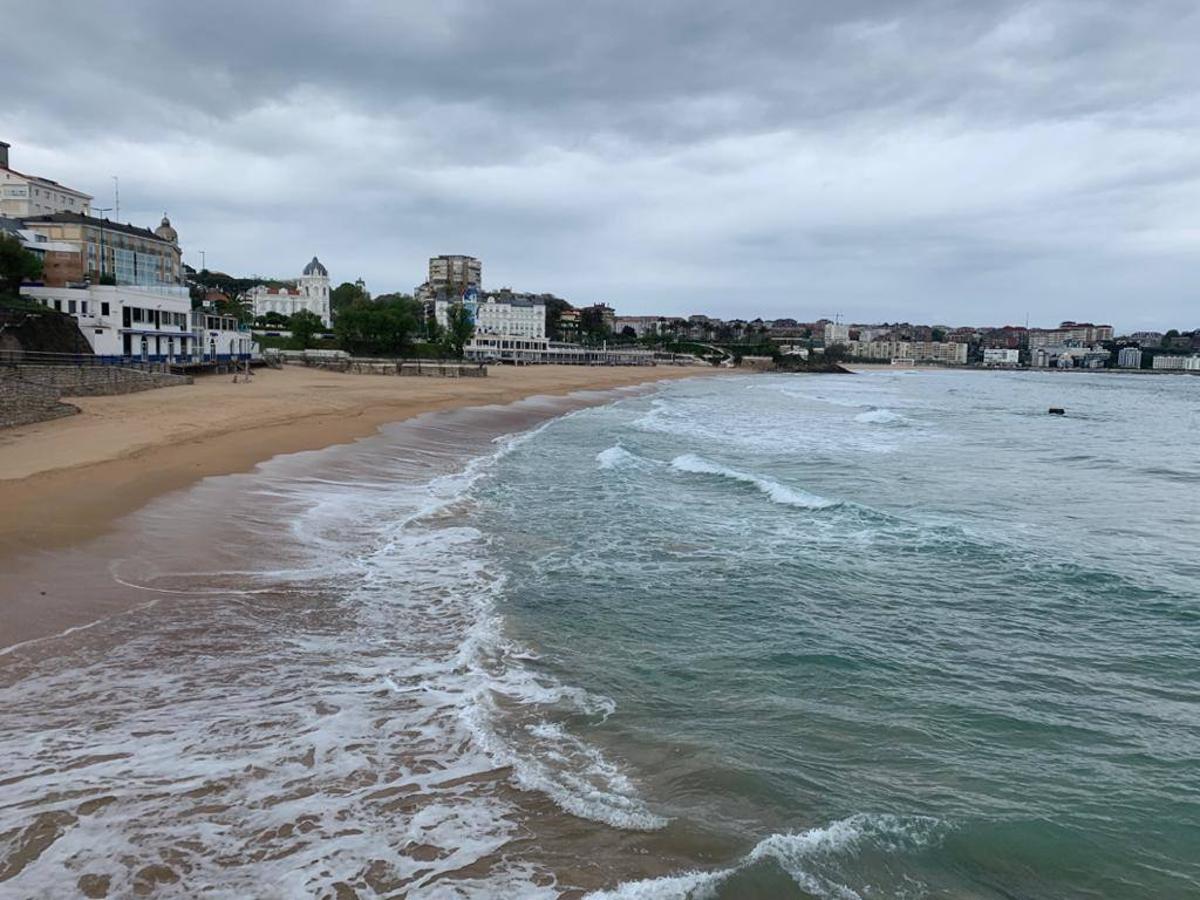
x=895, y=634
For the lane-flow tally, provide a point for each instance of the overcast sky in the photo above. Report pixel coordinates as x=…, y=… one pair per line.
x=962, y=162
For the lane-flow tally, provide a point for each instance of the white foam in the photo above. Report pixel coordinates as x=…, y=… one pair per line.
x=812, y=858
x=881, y=417
x=778, y=493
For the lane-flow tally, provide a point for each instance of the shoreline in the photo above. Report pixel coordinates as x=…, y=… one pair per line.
x=68, y=480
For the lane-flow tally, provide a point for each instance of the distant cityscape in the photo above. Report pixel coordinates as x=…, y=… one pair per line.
x=132, y=295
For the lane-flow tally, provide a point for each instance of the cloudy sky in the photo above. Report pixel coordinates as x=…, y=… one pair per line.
x=964, y=162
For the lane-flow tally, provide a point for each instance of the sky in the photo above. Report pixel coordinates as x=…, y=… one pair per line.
x=978, y=162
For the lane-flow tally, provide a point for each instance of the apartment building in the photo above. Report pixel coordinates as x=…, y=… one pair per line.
x=24, y=195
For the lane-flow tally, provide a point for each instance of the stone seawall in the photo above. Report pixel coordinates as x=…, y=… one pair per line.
x=25, y=402
x=97, y=381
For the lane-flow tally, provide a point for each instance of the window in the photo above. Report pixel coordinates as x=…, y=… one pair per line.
x=83, y=307
x=58, y=305
x=71, y=306
x=104, y=308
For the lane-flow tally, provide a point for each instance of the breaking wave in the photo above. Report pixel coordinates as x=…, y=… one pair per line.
x=778, y=493
x=813, y=859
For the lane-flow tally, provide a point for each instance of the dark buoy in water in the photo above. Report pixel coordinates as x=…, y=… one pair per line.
x=1057, y=411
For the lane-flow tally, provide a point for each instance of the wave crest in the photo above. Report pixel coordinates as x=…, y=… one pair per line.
x=778, y=493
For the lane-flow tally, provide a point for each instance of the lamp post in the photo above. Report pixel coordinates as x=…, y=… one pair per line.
x=101, y=209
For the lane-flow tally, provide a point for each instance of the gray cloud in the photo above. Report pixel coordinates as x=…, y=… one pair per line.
x=928, y=159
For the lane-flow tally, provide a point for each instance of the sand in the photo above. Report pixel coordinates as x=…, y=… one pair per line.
x=69, y=479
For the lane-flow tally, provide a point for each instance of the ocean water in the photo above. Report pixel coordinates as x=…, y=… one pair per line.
x=899, y=634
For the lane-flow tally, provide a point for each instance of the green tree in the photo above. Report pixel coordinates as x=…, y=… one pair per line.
x=382, y=327
x=304, y=326
x=346, y=295
x=16, y=265
x=460, y=328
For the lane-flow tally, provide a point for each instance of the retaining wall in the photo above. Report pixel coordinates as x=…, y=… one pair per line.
x=25, y=402
x=97, y=381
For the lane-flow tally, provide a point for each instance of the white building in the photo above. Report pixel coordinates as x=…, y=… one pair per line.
x=922, y=351
x=148, y=322
x=1063, y=357
x=1177, y=363
x=1129, y=358
x=29, y=195
x=1001, y=357
x=836, y=333
x=496, y=315
x=309, y=292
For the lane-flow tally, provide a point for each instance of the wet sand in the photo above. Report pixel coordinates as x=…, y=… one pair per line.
x=295, y=676
x=67, y=480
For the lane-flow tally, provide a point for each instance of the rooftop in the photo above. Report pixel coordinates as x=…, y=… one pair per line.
x=70, y=218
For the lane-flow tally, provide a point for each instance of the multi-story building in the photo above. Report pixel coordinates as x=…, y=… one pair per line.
x=1060, y=356
x=1150, y=339
x=641, y=325
x=95, y=250
x=1070, y=333
x=310, y=292
x=568, y=324
x=1129, y=358
x=151, y=322
x=917, y=351
x=1177, y=363
x=459, y=273
x=24, y=195
x=505, y=315
x=995, y=356
x=836, y=333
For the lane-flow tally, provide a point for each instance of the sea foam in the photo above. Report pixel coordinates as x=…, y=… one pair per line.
x=813, y=859
x=778, y=493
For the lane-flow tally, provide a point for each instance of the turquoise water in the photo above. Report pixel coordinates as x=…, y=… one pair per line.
x=886, y=635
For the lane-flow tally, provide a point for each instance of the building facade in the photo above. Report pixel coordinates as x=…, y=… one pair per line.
x=1129, y=358
x=310, y=292
x=836, y=333
x=993, y=356
x=1070, y=333
x=91, y=250
x=916, y=351
x=24, y=195
x=499, y=315
x=1177, y=363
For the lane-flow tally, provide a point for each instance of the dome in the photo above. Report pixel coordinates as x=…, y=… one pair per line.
x=315, y=268
x=166, y=232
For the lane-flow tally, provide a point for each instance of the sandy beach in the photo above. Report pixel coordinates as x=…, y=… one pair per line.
x=67, y=480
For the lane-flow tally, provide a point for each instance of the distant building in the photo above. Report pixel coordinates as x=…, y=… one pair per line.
x=1070, y=333
x=1129, y=358
x=498, y=314
x=451, y=276
x=308, y=292
x=1149, y=339
x=641, y=325
x=91, y=249
x=917, y=351
x=836, y=333
x=568, y=324
x=24, y=195
x=1060, y=356
x=993, y=356
x=1177, y=363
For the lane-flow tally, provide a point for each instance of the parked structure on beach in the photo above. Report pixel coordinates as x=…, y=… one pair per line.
x=310, y=292
x=24, y=195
